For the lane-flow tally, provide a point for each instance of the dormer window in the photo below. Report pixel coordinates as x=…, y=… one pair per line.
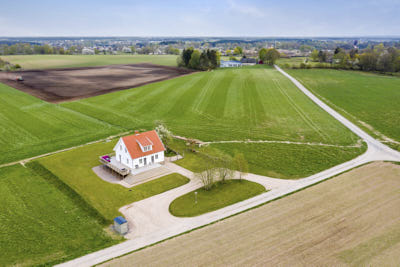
x=147, y=148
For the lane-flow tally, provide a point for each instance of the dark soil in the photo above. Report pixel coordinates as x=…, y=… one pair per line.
x=61, y=85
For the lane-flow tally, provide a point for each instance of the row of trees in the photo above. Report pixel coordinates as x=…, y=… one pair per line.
x=194, y=59
x=378, y=58
x=269, y=56
x=27, y=49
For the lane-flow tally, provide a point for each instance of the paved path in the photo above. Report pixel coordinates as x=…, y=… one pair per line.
x=152, y=221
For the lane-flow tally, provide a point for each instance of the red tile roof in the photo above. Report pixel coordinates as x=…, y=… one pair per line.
x=145, y=139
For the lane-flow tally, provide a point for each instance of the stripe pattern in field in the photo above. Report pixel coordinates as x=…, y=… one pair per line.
x=29, y=126
x=229, y=104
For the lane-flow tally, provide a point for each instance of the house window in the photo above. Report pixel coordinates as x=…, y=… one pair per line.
x=125, y=150
x=156, y=156
x=145, y=148
x=120, y=147
x=127, y=161
x=140, y=161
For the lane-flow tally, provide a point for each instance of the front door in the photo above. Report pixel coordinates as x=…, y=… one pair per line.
x=145, y=161
x=152, y=159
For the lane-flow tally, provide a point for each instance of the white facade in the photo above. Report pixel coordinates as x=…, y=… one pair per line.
x=123, y=156
x=230, y=64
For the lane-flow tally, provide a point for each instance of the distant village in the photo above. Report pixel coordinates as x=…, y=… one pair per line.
x=164, y=46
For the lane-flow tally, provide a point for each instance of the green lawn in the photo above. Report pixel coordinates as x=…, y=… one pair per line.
x=69, y=61
x=30, y=126
x=290, y=161
x=285, y=161
x=74, y=168
x=40, y=225
x=359, y=96
x=226, y=104
x=219, y=196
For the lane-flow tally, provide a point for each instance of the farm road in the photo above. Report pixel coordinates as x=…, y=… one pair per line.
x=153, y=223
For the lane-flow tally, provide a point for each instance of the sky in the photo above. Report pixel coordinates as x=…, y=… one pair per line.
x=241, y=18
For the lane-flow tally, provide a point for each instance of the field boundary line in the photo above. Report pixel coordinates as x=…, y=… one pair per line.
x=23, y=161
x=248, y=141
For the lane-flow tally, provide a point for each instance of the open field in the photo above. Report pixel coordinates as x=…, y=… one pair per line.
x=286, y=161
x=230, y=104
x=357, y=229
x=39, y=224
x=30, y=126
x=74, y=168
x=369, y=100
x=290, y=161
x=74, y=61
x=58, y=85
x=219, y=196
x=296, y=61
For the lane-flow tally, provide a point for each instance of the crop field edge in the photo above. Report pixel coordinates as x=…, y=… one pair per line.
x=233, y=215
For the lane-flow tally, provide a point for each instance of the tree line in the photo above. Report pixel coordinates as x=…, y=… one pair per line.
x=28, y=49
x=378, y=58
x=194, y=59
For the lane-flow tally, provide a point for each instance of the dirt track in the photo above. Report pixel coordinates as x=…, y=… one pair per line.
x=352, y=219
x=60, y=85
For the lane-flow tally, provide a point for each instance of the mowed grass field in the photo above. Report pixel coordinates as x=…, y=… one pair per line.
x=226, y=104
x=74, y=168
x=30, y=126
x=323, y=225
x=372, y=101
x=40, y=225
x=73, y=61
x=233, y=104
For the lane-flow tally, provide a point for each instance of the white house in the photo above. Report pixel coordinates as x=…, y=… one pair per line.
x=139, y=149
x=230, y=64
x=87, y=51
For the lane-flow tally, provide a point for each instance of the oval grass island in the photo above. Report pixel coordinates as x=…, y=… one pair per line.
x=222, y=194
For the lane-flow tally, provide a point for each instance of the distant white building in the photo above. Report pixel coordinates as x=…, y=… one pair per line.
x=126, y=49
x=230, y=64
x=87, y=51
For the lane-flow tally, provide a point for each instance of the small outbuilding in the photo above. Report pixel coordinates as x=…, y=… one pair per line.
x=121, y=225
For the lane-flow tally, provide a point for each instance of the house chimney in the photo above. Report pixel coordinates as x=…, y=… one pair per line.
x=136, y=132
